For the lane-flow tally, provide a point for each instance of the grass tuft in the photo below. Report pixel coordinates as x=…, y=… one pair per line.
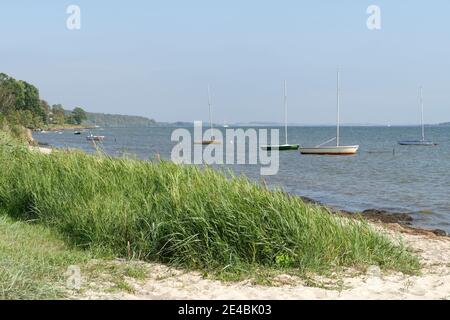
x=33, y=261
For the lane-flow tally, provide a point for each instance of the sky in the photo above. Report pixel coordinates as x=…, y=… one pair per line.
x=156, y=58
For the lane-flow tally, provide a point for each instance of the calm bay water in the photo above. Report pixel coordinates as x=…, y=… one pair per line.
x=384, y=175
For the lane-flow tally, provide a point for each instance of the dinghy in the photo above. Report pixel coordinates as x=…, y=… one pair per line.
x=91, y=137
x=421, y=142
x=336, y=150
x=285, y=146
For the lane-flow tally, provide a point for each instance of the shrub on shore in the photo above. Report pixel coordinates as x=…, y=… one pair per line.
x=185, y=216
x=13, y=133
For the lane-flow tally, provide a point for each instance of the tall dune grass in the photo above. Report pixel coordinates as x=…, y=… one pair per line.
x=184, y=216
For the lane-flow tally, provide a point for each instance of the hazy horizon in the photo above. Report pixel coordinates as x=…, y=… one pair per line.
x=156, y=59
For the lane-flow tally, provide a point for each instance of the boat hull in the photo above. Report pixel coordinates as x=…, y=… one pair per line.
x=283, y=147
x=207, y=142
x=416, y=143
x=95, y=138
x=331, y=151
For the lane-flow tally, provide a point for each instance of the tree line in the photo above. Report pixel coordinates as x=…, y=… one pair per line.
x=20, y=104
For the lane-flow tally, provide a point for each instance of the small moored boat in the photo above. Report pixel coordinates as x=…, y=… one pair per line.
x=91, y=137
x=416, y=143
x=286, y=146
x=207, y=142
x=336, y=150
x=212, y=139
x=330, y=150
x=421, y=142
x=282, y=147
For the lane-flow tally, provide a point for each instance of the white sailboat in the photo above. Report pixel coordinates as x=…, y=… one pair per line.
x=421, y=142
x=285, y=146
x=338, y=149
x=212, y=139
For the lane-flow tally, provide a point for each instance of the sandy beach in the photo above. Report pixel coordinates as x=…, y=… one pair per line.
x=42, y=150
x=433, y=282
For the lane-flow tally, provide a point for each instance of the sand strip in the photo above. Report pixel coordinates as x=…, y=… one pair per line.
x=433, y=282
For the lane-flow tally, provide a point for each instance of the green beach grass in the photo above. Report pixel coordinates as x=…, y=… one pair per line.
x=185, y=216
x=33, y=261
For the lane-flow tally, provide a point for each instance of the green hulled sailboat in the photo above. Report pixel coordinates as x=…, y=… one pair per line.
x=286, y=146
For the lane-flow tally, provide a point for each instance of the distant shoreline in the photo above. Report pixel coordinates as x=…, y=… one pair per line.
x=235, y=125
x=296, y=125
x=66, y=127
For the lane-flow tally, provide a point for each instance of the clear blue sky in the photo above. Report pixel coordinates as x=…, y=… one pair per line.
x=155, y=58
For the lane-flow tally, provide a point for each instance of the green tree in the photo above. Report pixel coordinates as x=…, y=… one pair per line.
x=45, y=110
x=58, y=114
x=71, y=119
x=9, y=91
x=20, y=96
x=79, y=115
x=7, y=100
x=30, y=99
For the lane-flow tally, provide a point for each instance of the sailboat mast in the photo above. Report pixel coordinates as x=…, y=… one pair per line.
x=421, y=106
x=338, y=111
x=285, y=112
x=210, y=109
